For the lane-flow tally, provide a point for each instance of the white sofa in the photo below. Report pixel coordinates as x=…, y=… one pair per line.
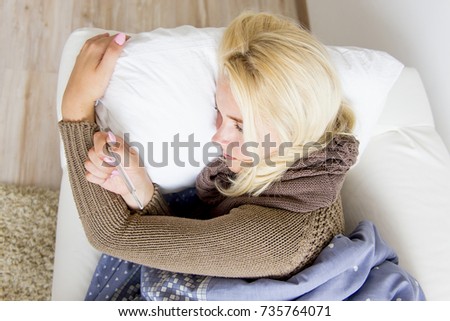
x=401, y=182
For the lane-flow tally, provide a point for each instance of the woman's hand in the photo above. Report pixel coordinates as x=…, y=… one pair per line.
x=90, y=76
x=101, y=169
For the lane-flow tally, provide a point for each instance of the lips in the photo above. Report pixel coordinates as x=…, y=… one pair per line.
x=228, y=156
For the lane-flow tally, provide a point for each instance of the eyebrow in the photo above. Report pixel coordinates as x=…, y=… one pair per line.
x=231, y=117
x=235, y=119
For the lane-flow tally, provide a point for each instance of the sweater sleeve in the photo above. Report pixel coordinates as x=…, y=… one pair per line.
x=251, y=241
x=89, y=197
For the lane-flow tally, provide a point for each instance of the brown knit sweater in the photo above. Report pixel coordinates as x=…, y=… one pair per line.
x=251, y=240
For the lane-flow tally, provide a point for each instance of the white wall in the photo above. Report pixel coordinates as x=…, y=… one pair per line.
x=416, y=32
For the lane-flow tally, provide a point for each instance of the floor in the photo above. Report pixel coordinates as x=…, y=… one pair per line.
x=31, y=42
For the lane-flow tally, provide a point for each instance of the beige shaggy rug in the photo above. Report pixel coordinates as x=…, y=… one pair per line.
x=27, y=242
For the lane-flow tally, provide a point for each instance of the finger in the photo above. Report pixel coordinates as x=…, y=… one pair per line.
x=109, y=149
x=99, y=36
x=100, y=161
x=102, y=172
x=94, y=39
x=94, y=179
x=101, y=145
x=129, y=157
x=112, y=53
x=106, y=144
x=118, y=150
x=93, y=51
x=111, y=183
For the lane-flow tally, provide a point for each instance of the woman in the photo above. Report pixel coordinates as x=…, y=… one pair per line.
x=269, y=211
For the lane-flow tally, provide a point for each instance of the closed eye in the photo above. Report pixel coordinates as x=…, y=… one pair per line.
x=236, y=125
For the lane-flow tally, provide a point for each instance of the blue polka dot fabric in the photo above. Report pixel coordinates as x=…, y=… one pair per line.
x=115, y=279
x=120, y=280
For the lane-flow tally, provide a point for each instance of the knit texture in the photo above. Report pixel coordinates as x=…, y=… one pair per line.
x=311, y=183
x=250, y=241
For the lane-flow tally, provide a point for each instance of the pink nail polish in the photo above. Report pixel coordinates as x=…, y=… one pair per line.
x=109, y=160
x=112, y=137
x=114, y=173
x=120, y=38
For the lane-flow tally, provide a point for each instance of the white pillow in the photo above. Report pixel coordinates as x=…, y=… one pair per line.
x=163, y=92
x=366, y=76
x=164, y=85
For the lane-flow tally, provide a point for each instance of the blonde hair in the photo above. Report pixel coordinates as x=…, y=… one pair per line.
x=281, y=78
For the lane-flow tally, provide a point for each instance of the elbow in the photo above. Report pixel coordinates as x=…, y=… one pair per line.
x=103, y=239
x=100, y=244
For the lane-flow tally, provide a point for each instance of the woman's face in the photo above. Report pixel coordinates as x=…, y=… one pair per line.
x=229, y=127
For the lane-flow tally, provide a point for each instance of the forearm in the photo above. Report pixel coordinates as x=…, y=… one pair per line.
x=89, y=197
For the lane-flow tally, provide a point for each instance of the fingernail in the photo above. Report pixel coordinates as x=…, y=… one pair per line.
x=109, y=160
x=112, y=137
x=114, y=173
x=120, y=38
